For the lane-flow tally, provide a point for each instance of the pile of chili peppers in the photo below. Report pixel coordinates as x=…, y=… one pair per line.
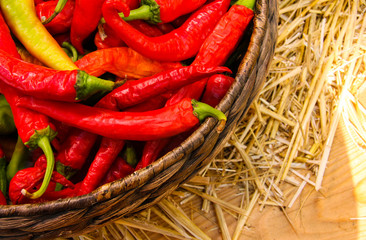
x=93, y=90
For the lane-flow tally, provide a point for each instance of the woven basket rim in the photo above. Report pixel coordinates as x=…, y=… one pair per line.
x=112, y=189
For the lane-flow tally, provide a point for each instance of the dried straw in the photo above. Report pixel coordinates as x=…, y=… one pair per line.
x=318, y=70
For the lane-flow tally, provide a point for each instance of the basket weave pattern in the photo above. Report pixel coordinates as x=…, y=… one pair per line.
x=147, y=186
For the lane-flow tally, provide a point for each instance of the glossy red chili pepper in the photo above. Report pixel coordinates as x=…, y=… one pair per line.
x=163, y=11
x=148, y=105
x=119, y=169
x=151, y=152
x=194, y=91
x=87, y=14
x=104, y=158
x=62, y=22
x=123, y=62
x=74, y=152
x=68, y=85
x=138, y=91
x=107, y=38
x=29, y=180
x=160, y=123
x=226, y=35
x=179, y=44
x=6, y=42
x=2, y=199
x=216, y=88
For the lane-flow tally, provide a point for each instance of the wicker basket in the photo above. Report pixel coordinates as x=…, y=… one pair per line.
x=147, y=186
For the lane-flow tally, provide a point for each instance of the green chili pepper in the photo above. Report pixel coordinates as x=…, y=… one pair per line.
x=19, y=159
x=7, y=124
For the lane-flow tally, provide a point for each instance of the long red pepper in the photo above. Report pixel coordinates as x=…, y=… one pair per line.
x=27, y=179
x=227, y=34
x=62, y=22
x=137, y=91
x=163, y=11
x=160, y=123
x=179, y=44
x=123, y=62
x=68, y=85
x=216, y=88
x=34, y=129
x=87, y=14
x=119, y=169
x=107, y=153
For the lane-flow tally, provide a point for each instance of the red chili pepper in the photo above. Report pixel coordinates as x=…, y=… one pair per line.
x=138, y=91
x=62, y=22
x=194, y=91
x=107, y=153
x=123, y=62
x=160, y=123
x=29, y=180
x=165, y=27
x=74, y=152
x=180, y=44
x=107, y=38
x=216, y=88
x=6, y=42
x=68, y=85
x=148, y=105
x=87, y=14
x=119, y=169
x=151, y=152
x=2, y=199
x=226, y=35
x=162, y=11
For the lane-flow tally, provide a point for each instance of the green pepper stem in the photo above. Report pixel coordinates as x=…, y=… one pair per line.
x=202, y=111
x=18, y=159
x=72, y=49
x=130, y=155
x=60, y=5
x=45, y=145
x=148, y=11
x=87, y=85
x=3, y=180
x=247, y=3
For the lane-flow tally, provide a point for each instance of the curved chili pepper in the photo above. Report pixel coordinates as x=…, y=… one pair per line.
x=107, y=153
x=225, y=37
x=119, y=169
x=160, y=123
x=151, y=152
x=87, y=14
x=74, y=152
x=23, y=21
x=137, y=91
x=7, y=124
x=28, y=179
x=179, y=44
x=57, y=8
x=3, y=179
x=107, y=38
x=61, y=22
x=68, y=85
x=123, y=62
x=159, y=11
x=34, y=129
x=216, y=88
x=6, y=42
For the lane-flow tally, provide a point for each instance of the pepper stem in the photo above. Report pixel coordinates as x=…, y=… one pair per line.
x=246, y=3
x=148, y=11
x=45, y=145
x=74, y=53
x=87, y=85
x=60, y=5
x=202, y=111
